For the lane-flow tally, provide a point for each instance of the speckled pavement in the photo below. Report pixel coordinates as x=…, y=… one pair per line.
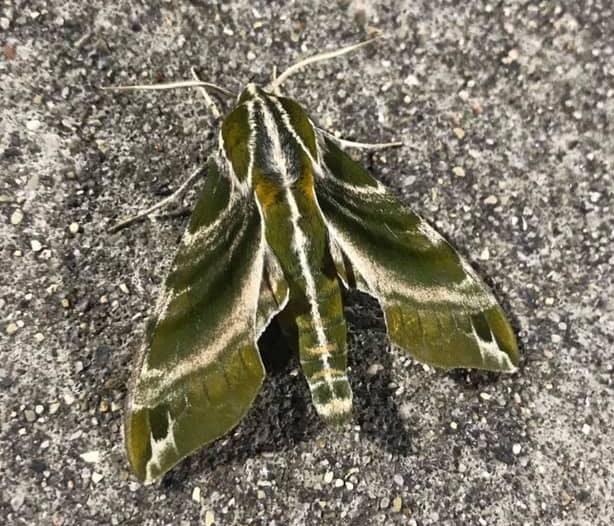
x=505, y=110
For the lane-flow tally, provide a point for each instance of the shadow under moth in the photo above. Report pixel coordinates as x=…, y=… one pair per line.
x=284, y=221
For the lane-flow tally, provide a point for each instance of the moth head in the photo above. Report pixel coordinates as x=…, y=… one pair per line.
x=251, y=91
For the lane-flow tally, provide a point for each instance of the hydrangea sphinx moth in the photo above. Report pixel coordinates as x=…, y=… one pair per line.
x=285, y=219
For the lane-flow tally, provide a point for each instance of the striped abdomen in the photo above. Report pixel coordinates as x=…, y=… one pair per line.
x=296, y=234
x=323, y=353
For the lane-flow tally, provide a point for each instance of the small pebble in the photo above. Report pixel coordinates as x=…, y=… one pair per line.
x=512, y=56
x=384, y=503
x=412, y=80
x=102, y=145
x=16, y=217
x=485, y=396
x=405, y=411
x=458, y=171
x=374, y=369
x=33, y=125
x=565, y=498
x=73, y=228
x=485, y=254
x=11, y=328
x=586, y=429
x=97, y=477
x=516, y=449
x=491, y=200
x=30, y=415
x=36, y=245
x=459, y=132
x=398, y=479
x=196, y=494
x=339, y=483
x=209, y=518
x=328, y=477
x=18, y=499
x=91, y=457
x=397, y=504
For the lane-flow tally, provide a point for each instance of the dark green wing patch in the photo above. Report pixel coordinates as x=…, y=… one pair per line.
x=300, y=124
x=436, y=308
x=235, y=134
x=200, y=366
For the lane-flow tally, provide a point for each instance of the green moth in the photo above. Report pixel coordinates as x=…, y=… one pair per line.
x=284, y=221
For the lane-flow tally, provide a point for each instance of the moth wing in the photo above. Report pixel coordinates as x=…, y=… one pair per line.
x=200, y=368
x=436, y=307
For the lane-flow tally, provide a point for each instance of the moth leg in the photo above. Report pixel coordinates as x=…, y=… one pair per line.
x=164, y=202
x=361, y=145
x=209, y=101
x=274, y=85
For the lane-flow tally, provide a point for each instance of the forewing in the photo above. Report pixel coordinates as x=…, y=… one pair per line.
x=199, y=368
x=436, y=308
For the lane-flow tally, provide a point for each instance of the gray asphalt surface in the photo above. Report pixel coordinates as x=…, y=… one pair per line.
x=505, y=110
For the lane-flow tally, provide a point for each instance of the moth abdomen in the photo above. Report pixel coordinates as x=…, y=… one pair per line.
x=323, y=352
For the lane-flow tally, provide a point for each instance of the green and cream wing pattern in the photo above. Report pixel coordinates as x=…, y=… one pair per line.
x=436, y=307
x=199, y=367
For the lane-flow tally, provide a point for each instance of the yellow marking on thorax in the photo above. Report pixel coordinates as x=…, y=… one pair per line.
x=266, y=192
x=305, y=181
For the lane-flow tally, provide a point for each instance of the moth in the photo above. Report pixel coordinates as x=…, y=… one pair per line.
x=285, y=220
